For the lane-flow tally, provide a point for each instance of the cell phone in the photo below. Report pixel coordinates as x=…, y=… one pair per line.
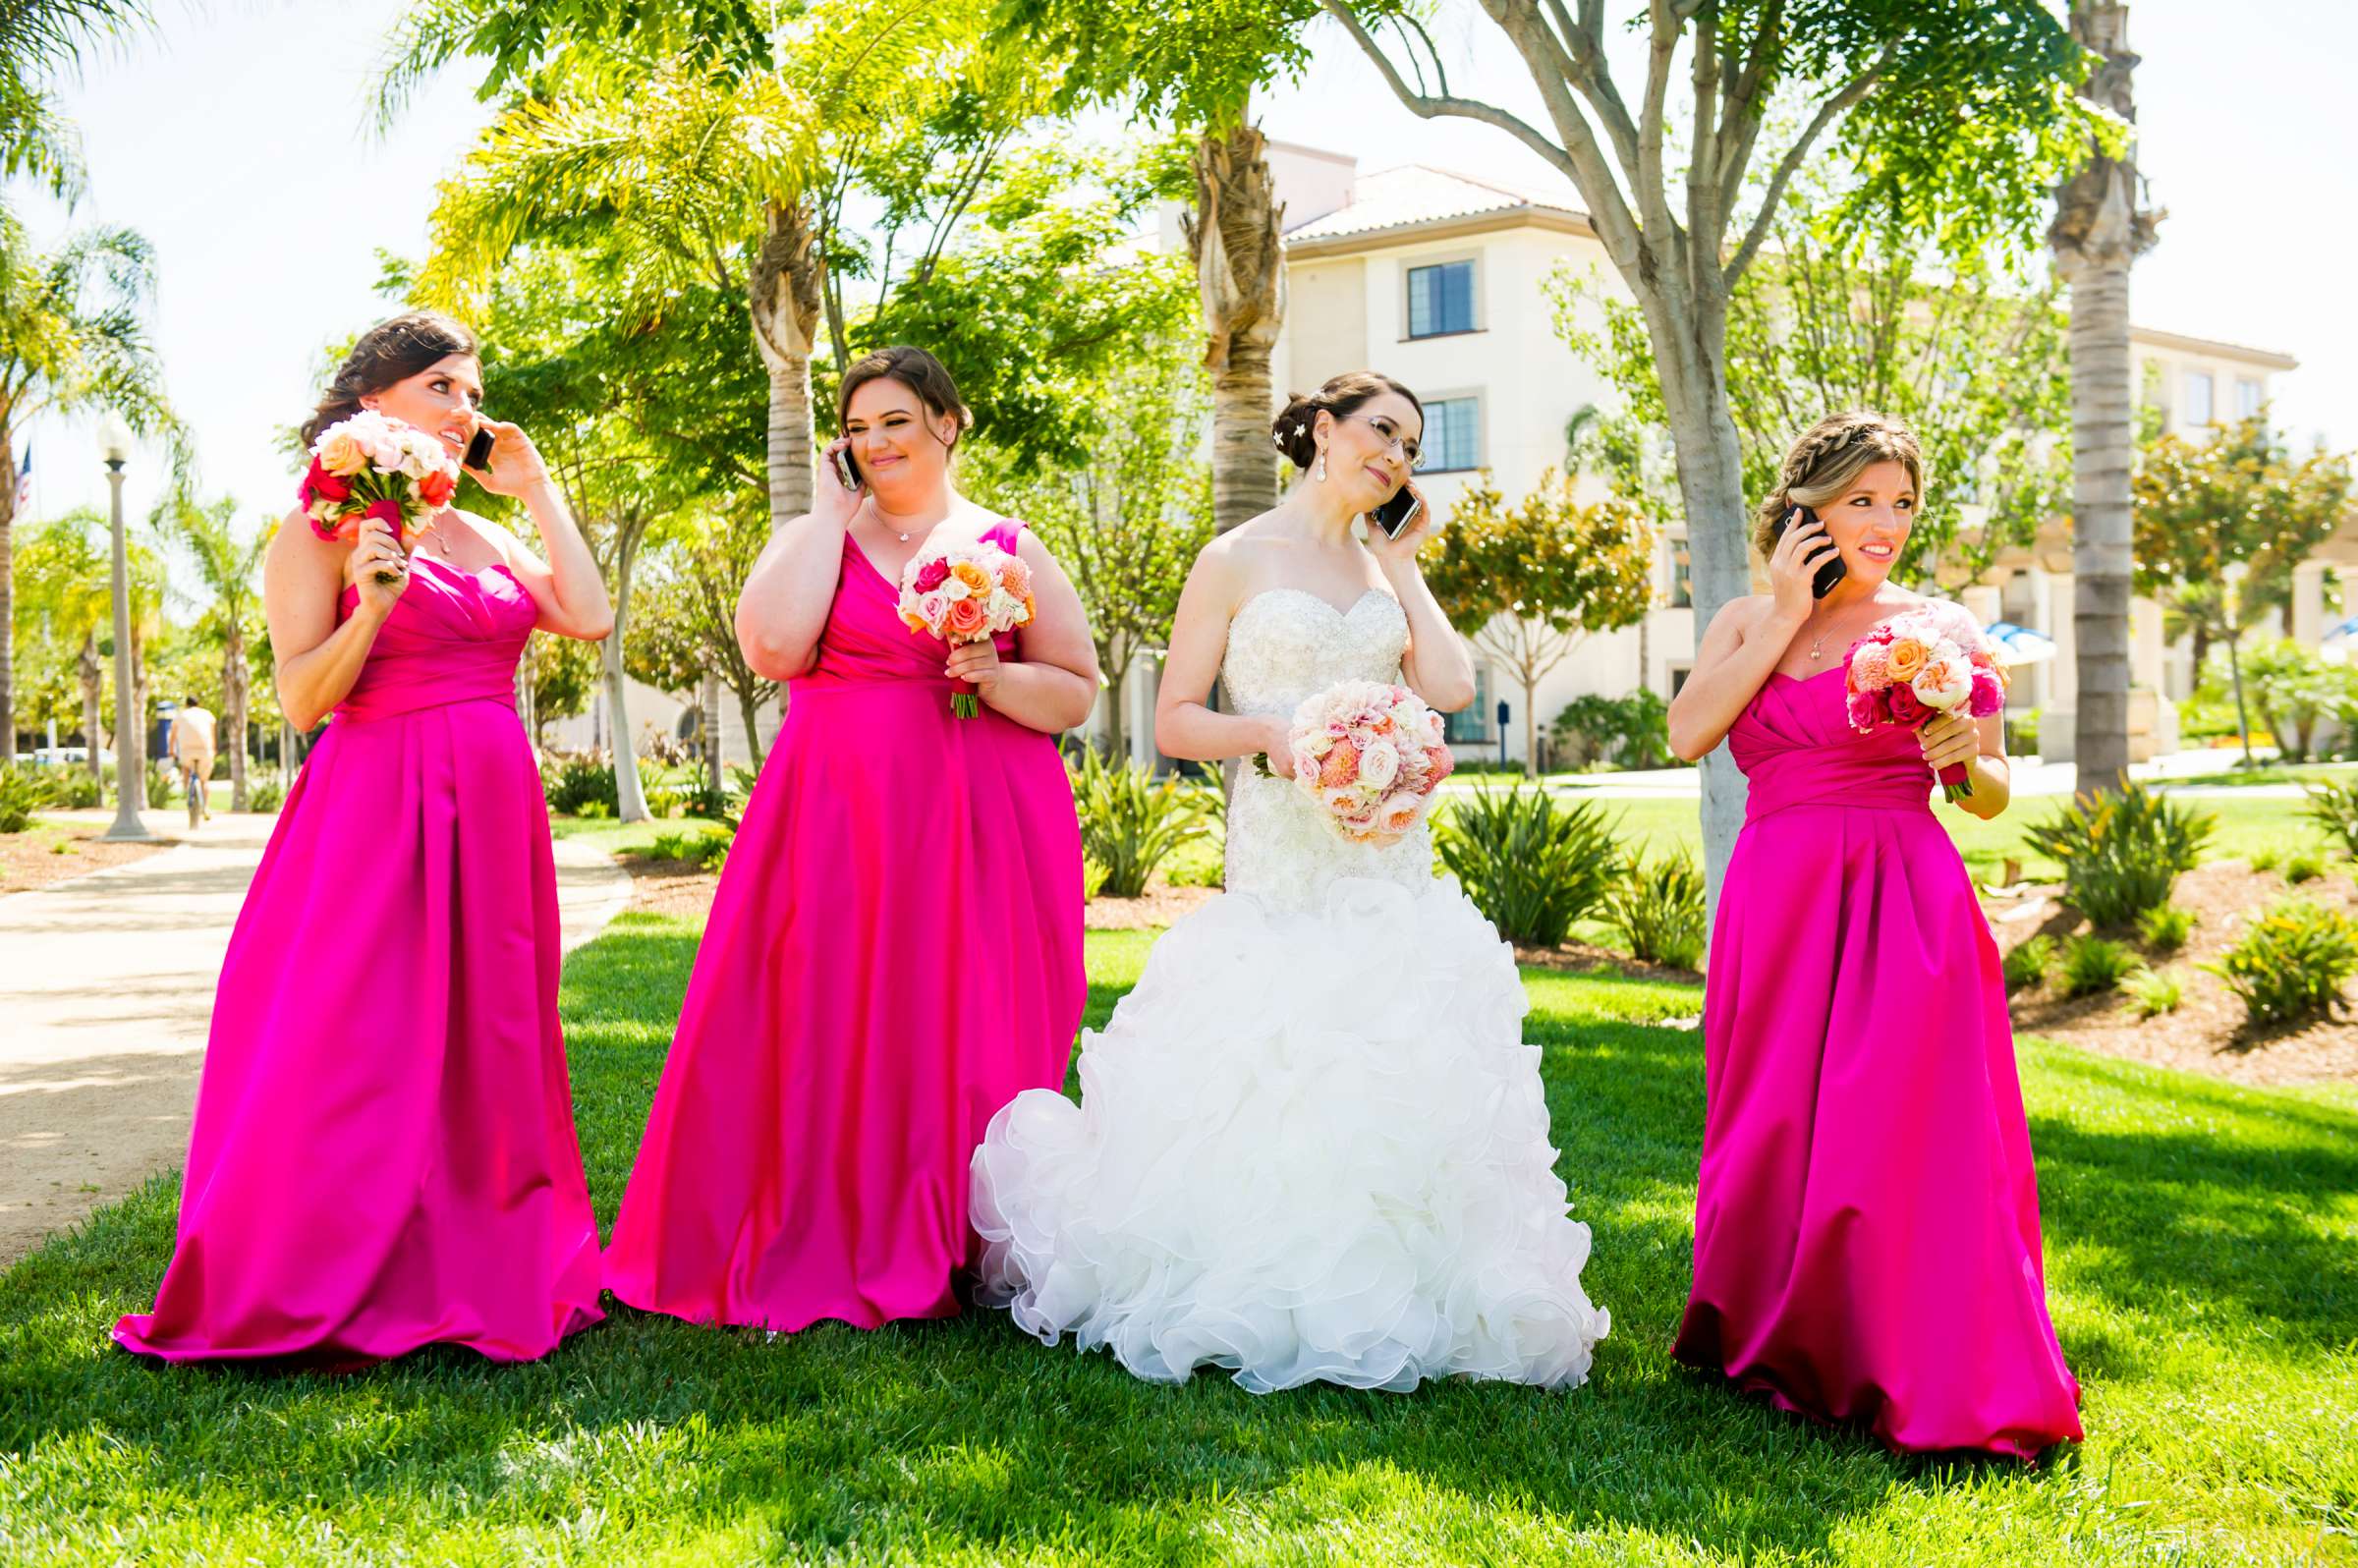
x=1396, y=514
x=1830, y=573
x=846, y=472
x=479, y=450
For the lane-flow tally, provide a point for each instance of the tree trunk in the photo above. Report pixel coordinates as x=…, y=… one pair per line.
x=1117, y=714
x=1236, y=236
x=747, y=706
x=708, y=698
x=784, y=286
x=2243, y=717
x=233, y=703
x=630, y=800
x=93, y=691
x=1531, y=724
x=8, y=594
x=2097, y=234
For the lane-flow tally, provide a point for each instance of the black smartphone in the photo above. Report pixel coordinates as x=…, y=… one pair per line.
x=1830, y=573
x=846, y=472
x=479, y=451
x=1397, y=513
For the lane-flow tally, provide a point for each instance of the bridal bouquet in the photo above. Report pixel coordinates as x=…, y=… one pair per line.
x=373, y=467
x=1371, y=756
x=1919, y=664
x=966, y=593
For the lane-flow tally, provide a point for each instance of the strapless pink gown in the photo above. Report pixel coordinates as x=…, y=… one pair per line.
x=893, y=954
x=383, y=1155
x=1866, y=1225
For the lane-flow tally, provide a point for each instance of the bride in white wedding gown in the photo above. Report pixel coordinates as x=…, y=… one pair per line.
x=1312, y=1145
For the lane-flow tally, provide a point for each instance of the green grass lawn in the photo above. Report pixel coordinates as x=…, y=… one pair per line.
x=2203, y=1245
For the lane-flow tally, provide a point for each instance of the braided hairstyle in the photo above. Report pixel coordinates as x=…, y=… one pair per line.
x=1828, y=459
x=392, y=351
x=1296, y=430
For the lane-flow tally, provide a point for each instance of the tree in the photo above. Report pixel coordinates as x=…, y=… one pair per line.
x=2219, y=527
x=1955, y=114
x=1539, y=576
x=560, y=673
x=62, y=604
x=1127, y=521
x=2099, y=229
x=228, y=561
x=38, y=40
x=72, y=337
x=687, y=626
x=1198, y=62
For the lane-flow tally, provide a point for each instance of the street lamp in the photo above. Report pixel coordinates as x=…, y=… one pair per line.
x=131, y=760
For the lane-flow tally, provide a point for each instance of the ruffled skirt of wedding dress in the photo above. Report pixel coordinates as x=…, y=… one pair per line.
x=1312, y=1147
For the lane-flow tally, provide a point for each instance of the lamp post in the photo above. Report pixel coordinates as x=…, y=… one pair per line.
x=131, y=760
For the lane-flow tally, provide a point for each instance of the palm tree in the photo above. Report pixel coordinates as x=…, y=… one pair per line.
x=38, y=39
x=72, y=336
x=1236, y=234
x=2099, y=230
x=227, y=566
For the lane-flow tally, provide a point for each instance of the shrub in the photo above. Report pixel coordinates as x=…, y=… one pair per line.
x=580, y=783
x=666, y=789
x=264, y=795
x=163, y=785
x=2306, y=867
x=2027, y=964
x=2293, y=689
x=20, y=795
x=2292, y=963
x=1630, y=731
x=2121, y=852
x=2333, y=806
x=2166, y=927
x=2022, y=732
x=1130, y=820
x=1530, y=864
x=2094, y=964
x=708, y=850
x=1660, y=908
x=2152, y=994
x=73, y=789
x=2266, y=858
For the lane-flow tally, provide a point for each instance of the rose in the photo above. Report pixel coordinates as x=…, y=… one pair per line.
x=325, y=482
x=1904, y=706
x=1398, y=812
x=931, y=574
x=1989, y=694
x=1380, y=765
x=1869, y=667
x=437, y=487
x=341, y=455
x=977, y=579
x=965, y=622
x=1865, y=710
x=1907, y=655
x=1945, y=681
x=953, y=592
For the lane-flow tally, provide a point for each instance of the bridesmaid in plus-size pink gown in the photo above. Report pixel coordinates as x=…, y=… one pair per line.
x=383, y=1155
x=1867, y=1244
x=894, y=951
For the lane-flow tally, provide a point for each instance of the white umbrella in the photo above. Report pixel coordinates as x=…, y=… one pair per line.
x=2018, y=644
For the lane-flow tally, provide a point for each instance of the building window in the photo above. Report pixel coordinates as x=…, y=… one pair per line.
x=1678, y=678
x=2247, y=398
x=1682, y=574
x=2198, y=397
x=1440, y=299
x=1452, y=434
x=1471, y=725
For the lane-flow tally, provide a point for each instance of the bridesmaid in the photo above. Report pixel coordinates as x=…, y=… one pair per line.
x=1867, y=1222
x=383, y=1154
x=895, y=948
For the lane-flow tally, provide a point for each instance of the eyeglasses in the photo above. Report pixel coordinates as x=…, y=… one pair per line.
x=1409, y=452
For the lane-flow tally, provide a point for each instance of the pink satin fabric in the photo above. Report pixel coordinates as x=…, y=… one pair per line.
x=894, y=953
x=383, y=1154
x=1866, y=1225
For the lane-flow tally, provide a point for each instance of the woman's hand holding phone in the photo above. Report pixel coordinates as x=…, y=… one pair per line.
x=1793, y=566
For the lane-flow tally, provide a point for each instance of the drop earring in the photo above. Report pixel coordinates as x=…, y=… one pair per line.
x=1321, y=474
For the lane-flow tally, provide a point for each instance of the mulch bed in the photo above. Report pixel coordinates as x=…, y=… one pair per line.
x=2207, y=1033
x=31, y=859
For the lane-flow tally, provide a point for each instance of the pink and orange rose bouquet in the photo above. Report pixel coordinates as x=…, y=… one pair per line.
x=371, y=466
x=1370, y=756
x=1918, y=665
x=966, y=593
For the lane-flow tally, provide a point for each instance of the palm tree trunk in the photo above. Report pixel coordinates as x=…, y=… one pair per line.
x=91, y=691
x=2097, y=234
x=233, y=702
x=784, y=286
x=8, y=594
x=1236, y=234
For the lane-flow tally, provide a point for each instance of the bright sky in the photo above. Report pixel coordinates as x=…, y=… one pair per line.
x=236, y=143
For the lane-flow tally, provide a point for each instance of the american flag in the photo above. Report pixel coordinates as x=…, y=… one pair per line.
x=24, y=481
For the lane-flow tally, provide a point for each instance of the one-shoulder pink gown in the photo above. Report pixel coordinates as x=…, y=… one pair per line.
x=893, y=954
x=383, y=1155
x=1866, y=1225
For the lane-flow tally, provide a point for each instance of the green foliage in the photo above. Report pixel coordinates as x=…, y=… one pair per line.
x=684, y=621
x=563, y=671
x=1130, y=820
x=578, y=783
x=20, y=795
x=2266, y=858
x=1626, y=731
x=1659, y=909
x=2292, y=964
x=265, y=794
x=2333, y=804
x=2094, y=964
x=2292, y=690
x=2305, y=866
x=2164, y=928
x=163, y=785
x=2121, y=852
x=703, y=849
x=2152, y=993
x=1530, y=863
x=2026, y=963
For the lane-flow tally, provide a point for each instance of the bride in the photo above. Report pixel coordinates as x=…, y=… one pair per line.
x=1312, y=1145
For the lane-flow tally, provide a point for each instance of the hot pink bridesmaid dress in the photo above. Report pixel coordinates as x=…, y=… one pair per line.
x=894, y=953
x=383, y=1154
x=1866, y=1225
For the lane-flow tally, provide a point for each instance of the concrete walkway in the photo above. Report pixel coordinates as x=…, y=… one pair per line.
x=106, y=994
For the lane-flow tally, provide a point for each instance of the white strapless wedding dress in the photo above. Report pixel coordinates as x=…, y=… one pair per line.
x=1312, y=1145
